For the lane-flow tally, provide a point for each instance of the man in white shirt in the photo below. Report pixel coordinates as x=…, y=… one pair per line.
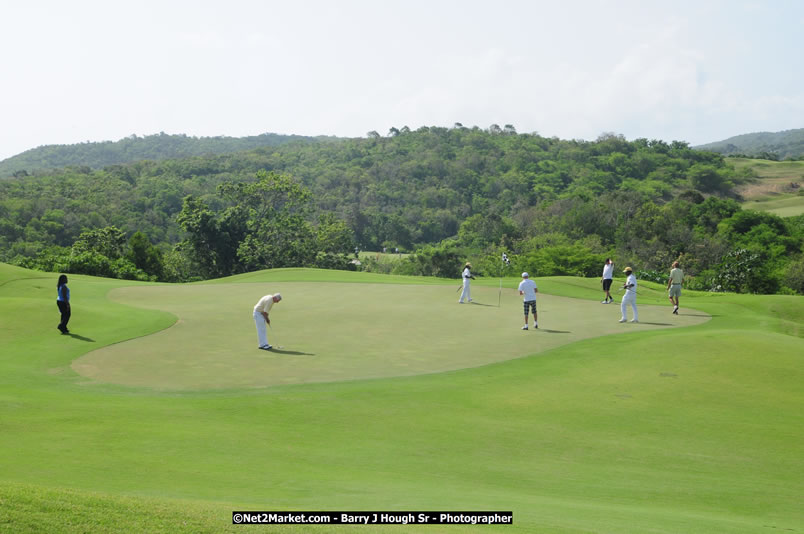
x=261, y=318
x=630, y=287
x=606, y=279
x=467, y=275
x=528, y=289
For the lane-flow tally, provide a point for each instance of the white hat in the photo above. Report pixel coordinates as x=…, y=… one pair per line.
x=277, y=296
x=524, y=275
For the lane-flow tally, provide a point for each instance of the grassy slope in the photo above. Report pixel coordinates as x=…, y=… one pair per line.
x=695, y=430
x=773, y=191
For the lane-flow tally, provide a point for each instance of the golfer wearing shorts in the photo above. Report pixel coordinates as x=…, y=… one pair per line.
x=674, y=286
x=528, y=289
x=261, y=319
x=630, y=287
x=606, y=279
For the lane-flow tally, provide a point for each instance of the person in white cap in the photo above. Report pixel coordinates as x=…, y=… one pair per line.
x=261, y=318
x=467, y=275
x=630, y=287
x=528, y=289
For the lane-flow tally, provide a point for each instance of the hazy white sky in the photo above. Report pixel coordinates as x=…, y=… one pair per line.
x=697, y=71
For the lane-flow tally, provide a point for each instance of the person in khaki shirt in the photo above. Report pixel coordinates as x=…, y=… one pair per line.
x=261, y=319
x=674, y=286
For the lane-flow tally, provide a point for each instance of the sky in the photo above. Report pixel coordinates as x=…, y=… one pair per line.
x=697, y=71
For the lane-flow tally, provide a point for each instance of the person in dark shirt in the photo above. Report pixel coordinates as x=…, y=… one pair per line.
x=63, y=302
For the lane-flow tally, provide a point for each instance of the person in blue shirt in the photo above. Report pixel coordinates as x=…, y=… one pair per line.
x=63, y=302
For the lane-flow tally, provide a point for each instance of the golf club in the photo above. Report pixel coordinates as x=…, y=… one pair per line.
x=273, y=336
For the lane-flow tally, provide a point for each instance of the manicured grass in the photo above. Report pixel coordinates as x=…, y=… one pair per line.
x=785, y=206
x=774, y=192
x=695, y=429
x=325, y=332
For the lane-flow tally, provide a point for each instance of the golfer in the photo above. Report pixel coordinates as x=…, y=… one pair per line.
x=528, y=289
x=467, y=275
x=261, y=318
x=606, y=279
x=63, y=302
x=630, y=287
x=674, y=286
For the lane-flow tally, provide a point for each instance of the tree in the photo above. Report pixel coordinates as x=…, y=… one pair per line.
x=277, y=232
x=707, y=178
x=145, y=255
x=211, y=241
x=109, y=242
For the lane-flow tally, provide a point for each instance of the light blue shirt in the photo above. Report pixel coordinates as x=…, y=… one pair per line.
x=64, y=293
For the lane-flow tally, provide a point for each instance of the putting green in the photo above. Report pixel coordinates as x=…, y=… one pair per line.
x=339, y=331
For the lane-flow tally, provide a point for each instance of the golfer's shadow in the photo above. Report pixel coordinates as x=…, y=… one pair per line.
x=291, y=352
x=479, y=304
x=82, y=338
x=554, y=331
x=657, y=324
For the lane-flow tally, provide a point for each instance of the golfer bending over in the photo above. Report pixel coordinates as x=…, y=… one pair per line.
x=630, y=287
x=674, y=286
x=528, y=289
x=261, y=319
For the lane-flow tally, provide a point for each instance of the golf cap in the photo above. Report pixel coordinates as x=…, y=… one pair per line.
x=278, y=296
x=628, y=270
x=468, y=264
x=524, y=275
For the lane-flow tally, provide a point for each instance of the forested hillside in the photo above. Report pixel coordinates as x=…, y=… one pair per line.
x=133, y=148
x=555, y=206
x=788, y=144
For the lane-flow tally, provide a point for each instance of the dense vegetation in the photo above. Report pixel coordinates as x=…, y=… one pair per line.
x=555, y=206
x=133, y=148
x=788, y=144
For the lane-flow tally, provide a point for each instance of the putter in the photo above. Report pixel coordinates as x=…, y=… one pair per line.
x=273, y=336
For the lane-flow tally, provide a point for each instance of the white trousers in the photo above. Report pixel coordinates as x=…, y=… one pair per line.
x=629, y=298
x=262, y=334
x=466, y=293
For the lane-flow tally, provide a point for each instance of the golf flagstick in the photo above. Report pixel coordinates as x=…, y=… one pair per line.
x=503, y=262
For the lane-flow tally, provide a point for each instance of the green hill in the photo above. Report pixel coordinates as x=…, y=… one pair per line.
x=767, y=145
x=150, y=147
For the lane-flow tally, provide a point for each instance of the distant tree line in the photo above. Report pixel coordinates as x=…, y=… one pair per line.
x=161, y=146
x=444, y=194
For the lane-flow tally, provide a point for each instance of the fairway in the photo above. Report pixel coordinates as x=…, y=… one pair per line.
x=335, y=331
x=784, y=206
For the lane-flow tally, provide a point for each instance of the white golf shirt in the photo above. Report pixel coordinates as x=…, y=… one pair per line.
x=528, y=288
x=608, y=271
x=630, y=293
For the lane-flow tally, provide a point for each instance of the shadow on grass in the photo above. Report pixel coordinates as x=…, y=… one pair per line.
x=657, y=324
x=290, y=352
x=554, y=331
x=487, y=305
x=82, y=338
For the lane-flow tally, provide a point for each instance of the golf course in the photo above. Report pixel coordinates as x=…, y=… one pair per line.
x=158, y=413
